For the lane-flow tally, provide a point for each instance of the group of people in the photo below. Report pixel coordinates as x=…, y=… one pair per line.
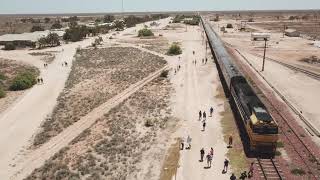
x=204, y=61
x=244, y=174
x=40, y=80
x=45, y=65
x=203, y=116
x=177, y=69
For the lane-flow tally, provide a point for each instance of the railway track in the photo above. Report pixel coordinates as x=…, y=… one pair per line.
x=304, y=153
x=269, y=169
x=295, y=68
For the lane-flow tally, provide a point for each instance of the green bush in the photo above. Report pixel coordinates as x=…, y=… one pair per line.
x=174, y=49
x=2, y=93
x=23, y=81
x=145, y=32
x=9, y=46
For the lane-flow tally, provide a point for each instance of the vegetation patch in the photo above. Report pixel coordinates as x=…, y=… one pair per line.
x=22, y=81
x=174, y=49
x=145, y=32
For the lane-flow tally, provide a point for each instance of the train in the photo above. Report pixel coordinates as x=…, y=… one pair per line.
x=259, y=125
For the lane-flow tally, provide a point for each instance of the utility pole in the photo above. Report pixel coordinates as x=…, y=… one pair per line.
x=264, y=53
x=122, y=10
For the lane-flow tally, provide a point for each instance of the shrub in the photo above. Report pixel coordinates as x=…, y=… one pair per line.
x=251, y=20
x=75, y=33
x=2, y=93
x=36, y=28
x=23, y=81
x=9, y=46
x=145, y=32
x=56, y=25
x=164, y=74
x=229, y=26
x=174, y=49
x=298, y=171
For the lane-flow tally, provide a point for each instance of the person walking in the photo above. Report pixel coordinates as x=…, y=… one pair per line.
x=182, y=144
x=41, y=80
x=211, y=111
x=250, y=173
x=201, y=154
x=206, y=61
x=243, y=175
x=230, y=141
x=211, y=151
x=226, y=164
x=203, y=125
x=202, y=61
x=189, y=142
x=200, y=114
x=204, y=115
x=233, y=177
x=193, y=52
x=209, y=160
x=38, y=80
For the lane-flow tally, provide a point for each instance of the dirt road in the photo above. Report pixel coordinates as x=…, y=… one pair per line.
x=196, y=89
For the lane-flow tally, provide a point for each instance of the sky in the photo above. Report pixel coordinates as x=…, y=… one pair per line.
x=97, y=6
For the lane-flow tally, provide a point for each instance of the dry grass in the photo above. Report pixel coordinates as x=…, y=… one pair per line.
x=157, y=44
x=236, y=154
x=96, y=76
x=114, y=146
x=171, y=162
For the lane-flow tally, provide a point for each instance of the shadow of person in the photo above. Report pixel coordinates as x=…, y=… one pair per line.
x=223, y=171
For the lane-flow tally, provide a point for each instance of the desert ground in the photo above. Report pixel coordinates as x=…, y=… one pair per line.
x=121, y=109
x=105, y=107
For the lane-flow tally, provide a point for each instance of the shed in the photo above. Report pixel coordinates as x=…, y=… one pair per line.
x=292, y=33
x=26, y=39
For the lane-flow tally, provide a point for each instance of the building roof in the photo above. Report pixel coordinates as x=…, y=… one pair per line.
x=34, y=36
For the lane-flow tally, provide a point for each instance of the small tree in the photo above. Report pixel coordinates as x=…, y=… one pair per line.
x=47, y=20
x=119, y=25
x=145, y=32
x=174, y=49
x=9, y=46
x=108, y=18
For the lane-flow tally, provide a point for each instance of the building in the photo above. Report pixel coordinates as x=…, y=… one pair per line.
x=26, y=39
x=259, y=36
x=292, y=33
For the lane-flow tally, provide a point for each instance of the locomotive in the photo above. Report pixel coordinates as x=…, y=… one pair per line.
x=261, y=128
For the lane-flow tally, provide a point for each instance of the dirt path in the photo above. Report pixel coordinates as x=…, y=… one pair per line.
x=196, y=88
x=38, y=157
